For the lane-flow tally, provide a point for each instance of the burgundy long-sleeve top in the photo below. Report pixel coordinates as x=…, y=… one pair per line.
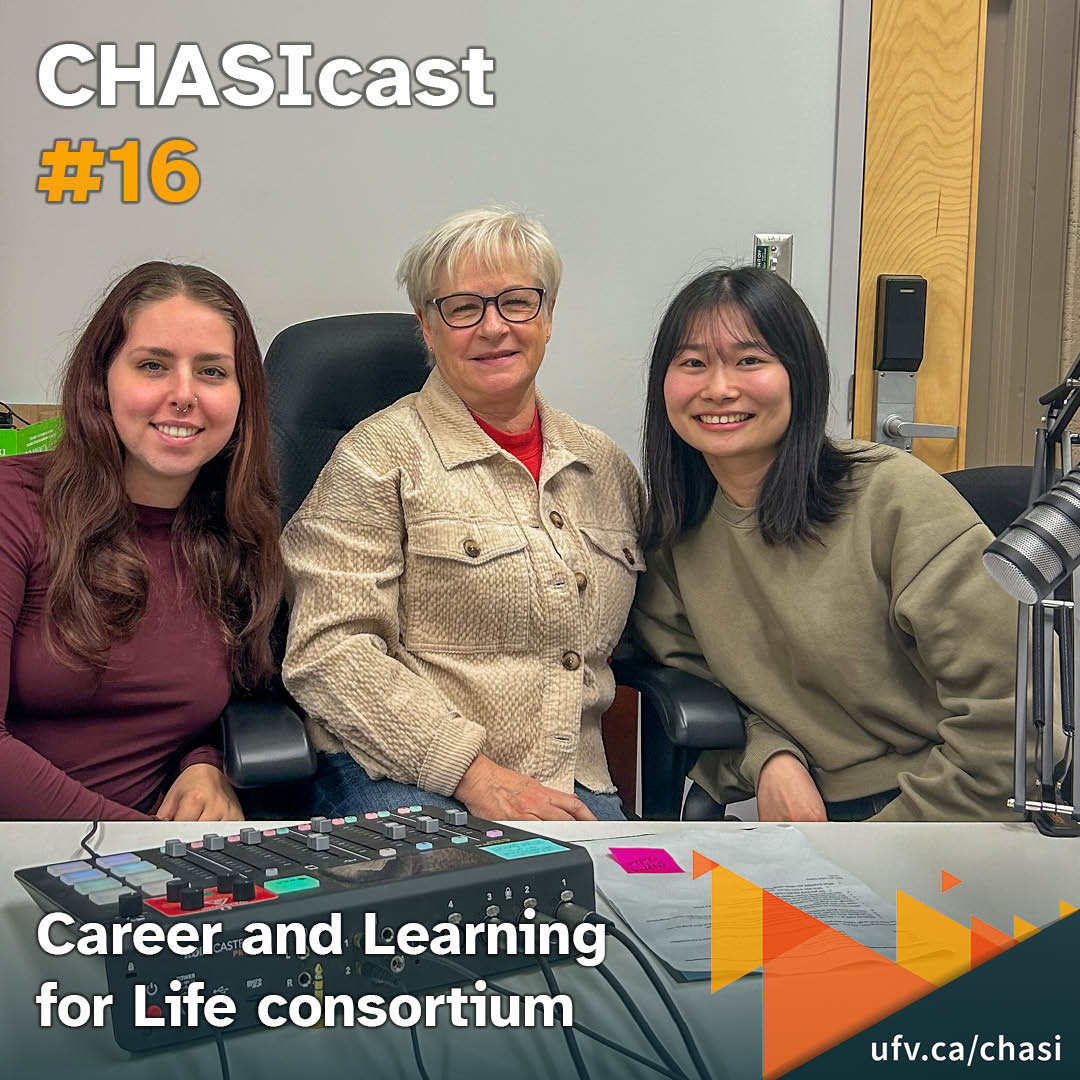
x=82, y=743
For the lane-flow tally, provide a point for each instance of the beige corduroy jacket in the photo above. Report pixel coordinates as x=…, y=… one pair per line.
x=443, y=605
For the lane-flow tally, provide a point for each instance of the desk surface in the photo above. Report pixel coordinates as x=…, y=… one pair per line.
x=1007, y=870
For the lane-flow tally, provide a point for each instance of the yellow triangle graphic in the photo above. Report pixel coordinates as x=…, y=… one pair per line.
x=929, y=944
x=736, y=927
x=1022, y=929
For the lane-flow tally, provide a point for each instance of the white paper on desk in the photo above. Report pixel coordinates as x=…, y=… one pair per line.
x=671, y=913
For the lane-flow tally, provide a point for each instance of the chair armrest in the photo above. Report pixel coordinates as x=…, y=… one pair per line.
x=264, y=741
x=694, y=713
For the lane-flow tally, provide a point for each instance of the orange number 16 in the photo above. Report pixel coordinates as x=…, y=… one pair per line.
x=163, y=165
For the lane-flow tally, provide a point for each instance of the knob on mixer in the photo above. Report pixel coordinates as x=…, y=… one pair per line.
x=191, y=898
x=129, y=905
x=244, y=890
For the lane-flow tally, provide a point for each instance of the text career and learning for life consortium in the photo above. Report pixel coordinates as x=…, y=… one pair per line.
x=71, y=74
x=189, y=1005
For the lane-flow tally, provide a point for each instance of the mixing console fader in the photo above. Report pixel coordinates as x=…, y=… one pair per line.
x=412, y=864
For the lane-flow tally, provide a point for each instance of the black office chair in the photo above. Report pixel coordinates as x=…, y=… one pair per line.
x=264, y=742
x=324, y=377
x=327, y=375
x=997, y=493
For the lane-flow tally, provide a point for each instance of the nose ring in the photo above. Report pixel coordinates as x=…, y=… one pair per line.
x=187, y=407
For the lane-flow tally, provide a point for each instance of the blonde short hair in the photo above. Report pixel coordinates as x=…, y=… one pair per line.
x=494, y=237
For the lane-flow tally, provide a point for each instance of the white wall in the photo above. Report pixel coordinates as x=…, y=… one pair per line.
x=651, y=138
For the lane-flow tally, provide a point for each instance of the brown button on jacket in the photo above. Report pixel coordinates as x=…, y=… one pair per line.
x=434, y=598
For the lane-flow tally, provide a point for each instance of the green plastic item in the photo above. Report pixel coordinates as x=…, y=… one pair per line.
x=290, y=884
x=32, y=439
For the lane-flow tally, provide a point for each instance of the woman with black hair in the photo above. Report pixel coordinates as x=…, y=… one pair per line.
x=835, y=588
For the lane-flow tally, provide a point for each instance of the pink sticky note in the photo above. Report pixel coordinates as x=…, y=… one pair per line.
x=645, y=860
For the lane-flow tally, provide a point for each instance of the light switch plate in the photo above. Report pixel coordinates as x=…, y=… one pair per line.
x=772, y=251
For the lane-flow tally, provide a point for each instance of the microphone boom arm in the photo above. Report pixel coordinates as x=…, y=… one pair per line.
x=1035, y=641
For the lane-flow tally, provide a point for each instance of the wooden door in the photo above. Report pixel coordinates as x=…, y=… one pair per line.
x=923, y=125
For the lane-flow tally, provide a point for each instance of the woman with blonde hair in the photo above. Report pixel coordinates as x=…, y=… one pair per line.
x=465, y=562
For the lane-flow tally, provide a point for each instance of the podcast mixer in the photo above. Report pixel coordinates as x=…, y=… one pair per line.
x=413, y=864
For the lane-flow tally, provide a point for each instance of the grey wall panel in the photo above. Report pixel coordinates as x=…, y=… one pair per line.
x=653, y=139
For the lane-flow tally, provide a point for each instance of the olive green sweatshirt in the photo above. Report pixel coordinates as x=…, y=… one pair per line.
x=882, y=657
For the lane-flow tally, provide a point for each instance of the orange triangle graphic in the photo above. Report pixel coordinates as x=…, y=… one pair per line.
x=986, y=941
x=702, y=865
x=822, y=989
x=948, y=881
x=783, y=927
x=1066, y=909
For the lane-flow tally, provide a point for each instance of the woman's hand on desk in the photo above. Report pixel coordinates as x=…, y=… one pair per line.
x=200, y=793
x=787, y=792
x=490, y=791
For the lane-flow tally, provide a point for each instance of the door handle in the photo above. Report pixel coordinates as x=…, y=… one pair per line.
x=896, y=427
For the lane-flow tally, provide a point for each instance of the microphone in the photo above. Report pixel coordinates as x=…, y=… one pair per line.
x=1041, y=548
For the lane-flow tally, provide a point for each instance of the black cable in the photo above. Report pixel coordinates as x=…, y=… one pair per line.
x=643, y=1025
x=658, y=985
x=416, y=1053
x=377, y=975
x=581, y=1029
x=573, y=914
x=84, y=843
x=544, y=965
x=7, y=408
x=223, y=1057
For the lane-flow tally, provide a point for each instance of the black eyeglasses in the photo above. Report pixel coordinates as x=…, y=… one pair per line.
x=467, y=309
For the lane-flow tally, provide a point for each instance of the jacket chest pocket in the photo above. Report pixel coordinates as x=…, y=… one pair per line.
x=616, y=561
x=465, y=588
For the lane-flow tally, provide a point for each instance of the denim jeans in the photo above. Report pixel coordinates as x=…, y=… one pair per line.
x=862, y=808
x=341, y=786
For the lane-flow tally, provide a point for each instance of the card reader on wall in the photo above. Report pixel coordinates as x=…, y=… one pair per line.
x=899, y=333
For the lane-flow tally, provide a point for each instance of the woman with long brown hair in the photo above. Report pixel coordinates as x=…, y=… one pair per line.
x=139, y=562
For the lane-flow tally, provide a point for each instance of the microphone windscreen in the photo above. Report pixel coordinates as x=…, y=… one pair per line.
x=1015, y=577
x=1041, y=546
